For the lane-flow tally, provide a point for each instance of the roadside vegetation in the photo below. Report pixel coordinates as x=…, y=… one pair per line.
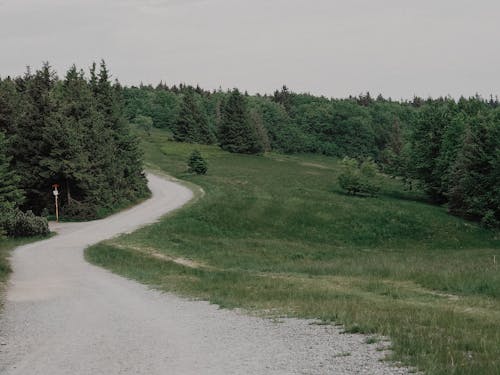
x=277, y=235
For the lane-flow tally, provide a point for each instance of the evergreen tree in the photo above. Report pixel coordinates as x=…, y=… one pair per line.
x=29, y=146
x=10, y=107
x=235, y=132
x=123, y=163
x=257, y=123
x=427, y=140
x=283, y=97
x=10, y=195
x=196, y=163
x=186, y=127
x=73, y=133
x=475, y=178
x=204, y=134
x=68, y=135
x=192, y=124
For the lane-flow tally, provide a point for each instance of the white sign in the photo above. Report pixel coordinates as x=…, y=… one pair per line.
x=55, y=192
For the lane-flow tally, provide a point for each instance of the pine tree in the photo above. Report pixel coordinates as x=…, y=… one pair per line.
x=427, y=141
x=10, y=195
x=475, y=178
x=196, y=163
x=204, y=134
x=186, y=128
x=10, y=107
x=192, y=124
x=123, y=162
x=29, y=144
x=257, y=123
x=235, y=132
x=68, y=136
x=283, y=97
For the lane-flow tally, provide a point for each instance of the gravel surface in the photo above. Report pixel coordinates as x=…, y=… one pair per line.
x=64, y=316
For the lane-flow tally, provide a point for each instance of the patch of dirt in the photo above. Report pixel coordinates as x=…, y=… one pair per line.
x=162, y=256
x=315, y=165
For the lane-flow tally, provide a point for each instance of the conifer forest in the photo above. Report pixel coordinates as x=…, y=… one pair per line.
x=76, y=131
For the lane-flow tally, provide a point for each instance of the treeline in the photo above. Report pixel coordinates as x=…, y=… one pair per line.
x=284, y=122
x=450, y=147
x=455, y=154
x=71, y=132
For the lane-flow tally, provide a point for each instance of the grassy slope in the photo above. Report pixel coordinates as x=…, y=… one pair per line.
x=276, y=234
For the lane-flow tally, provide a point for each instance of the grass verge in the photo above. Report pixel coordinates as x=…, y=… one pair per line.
x=276, y=235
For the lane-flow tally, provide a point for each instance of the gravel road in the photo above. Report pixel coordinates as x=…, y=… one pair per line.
x=64, y=316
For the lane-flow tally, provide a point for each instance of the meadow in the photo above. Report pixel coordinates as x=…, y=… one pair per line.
x=275, y=235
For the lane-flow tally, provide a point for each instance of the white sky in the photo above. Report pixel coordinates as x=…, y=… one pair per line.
x=395, y=47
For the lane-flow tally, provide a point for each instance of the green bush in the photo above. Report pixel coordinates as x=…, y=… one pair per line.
x=196, y=163
x=24, y=224
x=359, y=179
x=79, y=211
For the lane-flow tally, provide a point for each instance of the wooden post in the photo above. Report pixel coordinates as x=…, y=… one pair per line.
x=57, y=209
x=56, y=196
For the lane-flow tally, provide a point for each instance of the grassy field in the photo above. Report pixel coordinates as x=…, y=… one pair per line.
x=275, y=235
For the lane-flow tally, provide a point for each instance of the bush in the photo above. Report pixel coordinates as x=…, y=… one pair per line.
x=24, y=224
x=489, y=220
x=79, y=211
x=359, y=179
x=196, y=163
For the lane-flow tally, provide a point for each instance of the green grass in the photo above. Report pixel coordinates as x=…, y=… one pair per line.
x=275, y=235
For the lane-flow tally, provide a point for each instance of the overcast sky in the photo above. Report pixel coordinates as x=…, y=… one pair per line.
x=335, y=48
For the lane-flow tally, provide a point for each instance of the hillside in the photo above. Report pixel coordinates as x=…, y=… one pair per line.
x=275, y=234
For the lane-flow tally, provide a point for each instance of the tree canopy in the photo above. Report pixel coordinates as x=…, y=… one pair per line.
x=72, y=132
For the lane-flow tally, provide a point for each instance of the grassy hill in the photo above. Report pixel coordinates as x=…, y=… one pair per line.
x=275, y=234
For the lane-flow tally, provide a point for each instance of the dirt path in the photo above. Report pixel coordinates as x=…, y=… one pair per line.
x=64, y=316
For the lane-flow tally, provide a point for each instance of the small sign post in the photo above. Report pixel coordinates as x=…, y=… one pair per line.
x=56, y=197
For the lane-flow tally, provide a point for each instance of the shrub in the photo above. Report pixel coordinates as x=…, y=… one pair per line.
x=359, y=179
x=79, y=211
x=489, y=219
x=24, y=224
x=196, y=163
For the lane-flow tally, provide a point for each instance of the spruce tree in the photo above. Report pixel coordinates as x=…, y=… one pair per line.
x=235, y=133
x=10, y=106
x=204, y=135
x=192, y=124
x=475, y=178
x=123, y=163
x=68, y=136
x=427, y=141
x=29, y=146
x=185, y=129
x=10, y=195
x=71, y=132
x=196, y=163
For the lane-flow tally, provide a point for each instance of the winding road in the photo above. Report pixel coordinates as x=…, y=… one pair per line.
x=63, y=316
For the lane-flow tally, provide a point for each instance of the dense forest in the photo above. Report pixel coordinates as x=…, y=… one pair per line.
x=450, y=148
x=75, y=132
x=70, y=132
